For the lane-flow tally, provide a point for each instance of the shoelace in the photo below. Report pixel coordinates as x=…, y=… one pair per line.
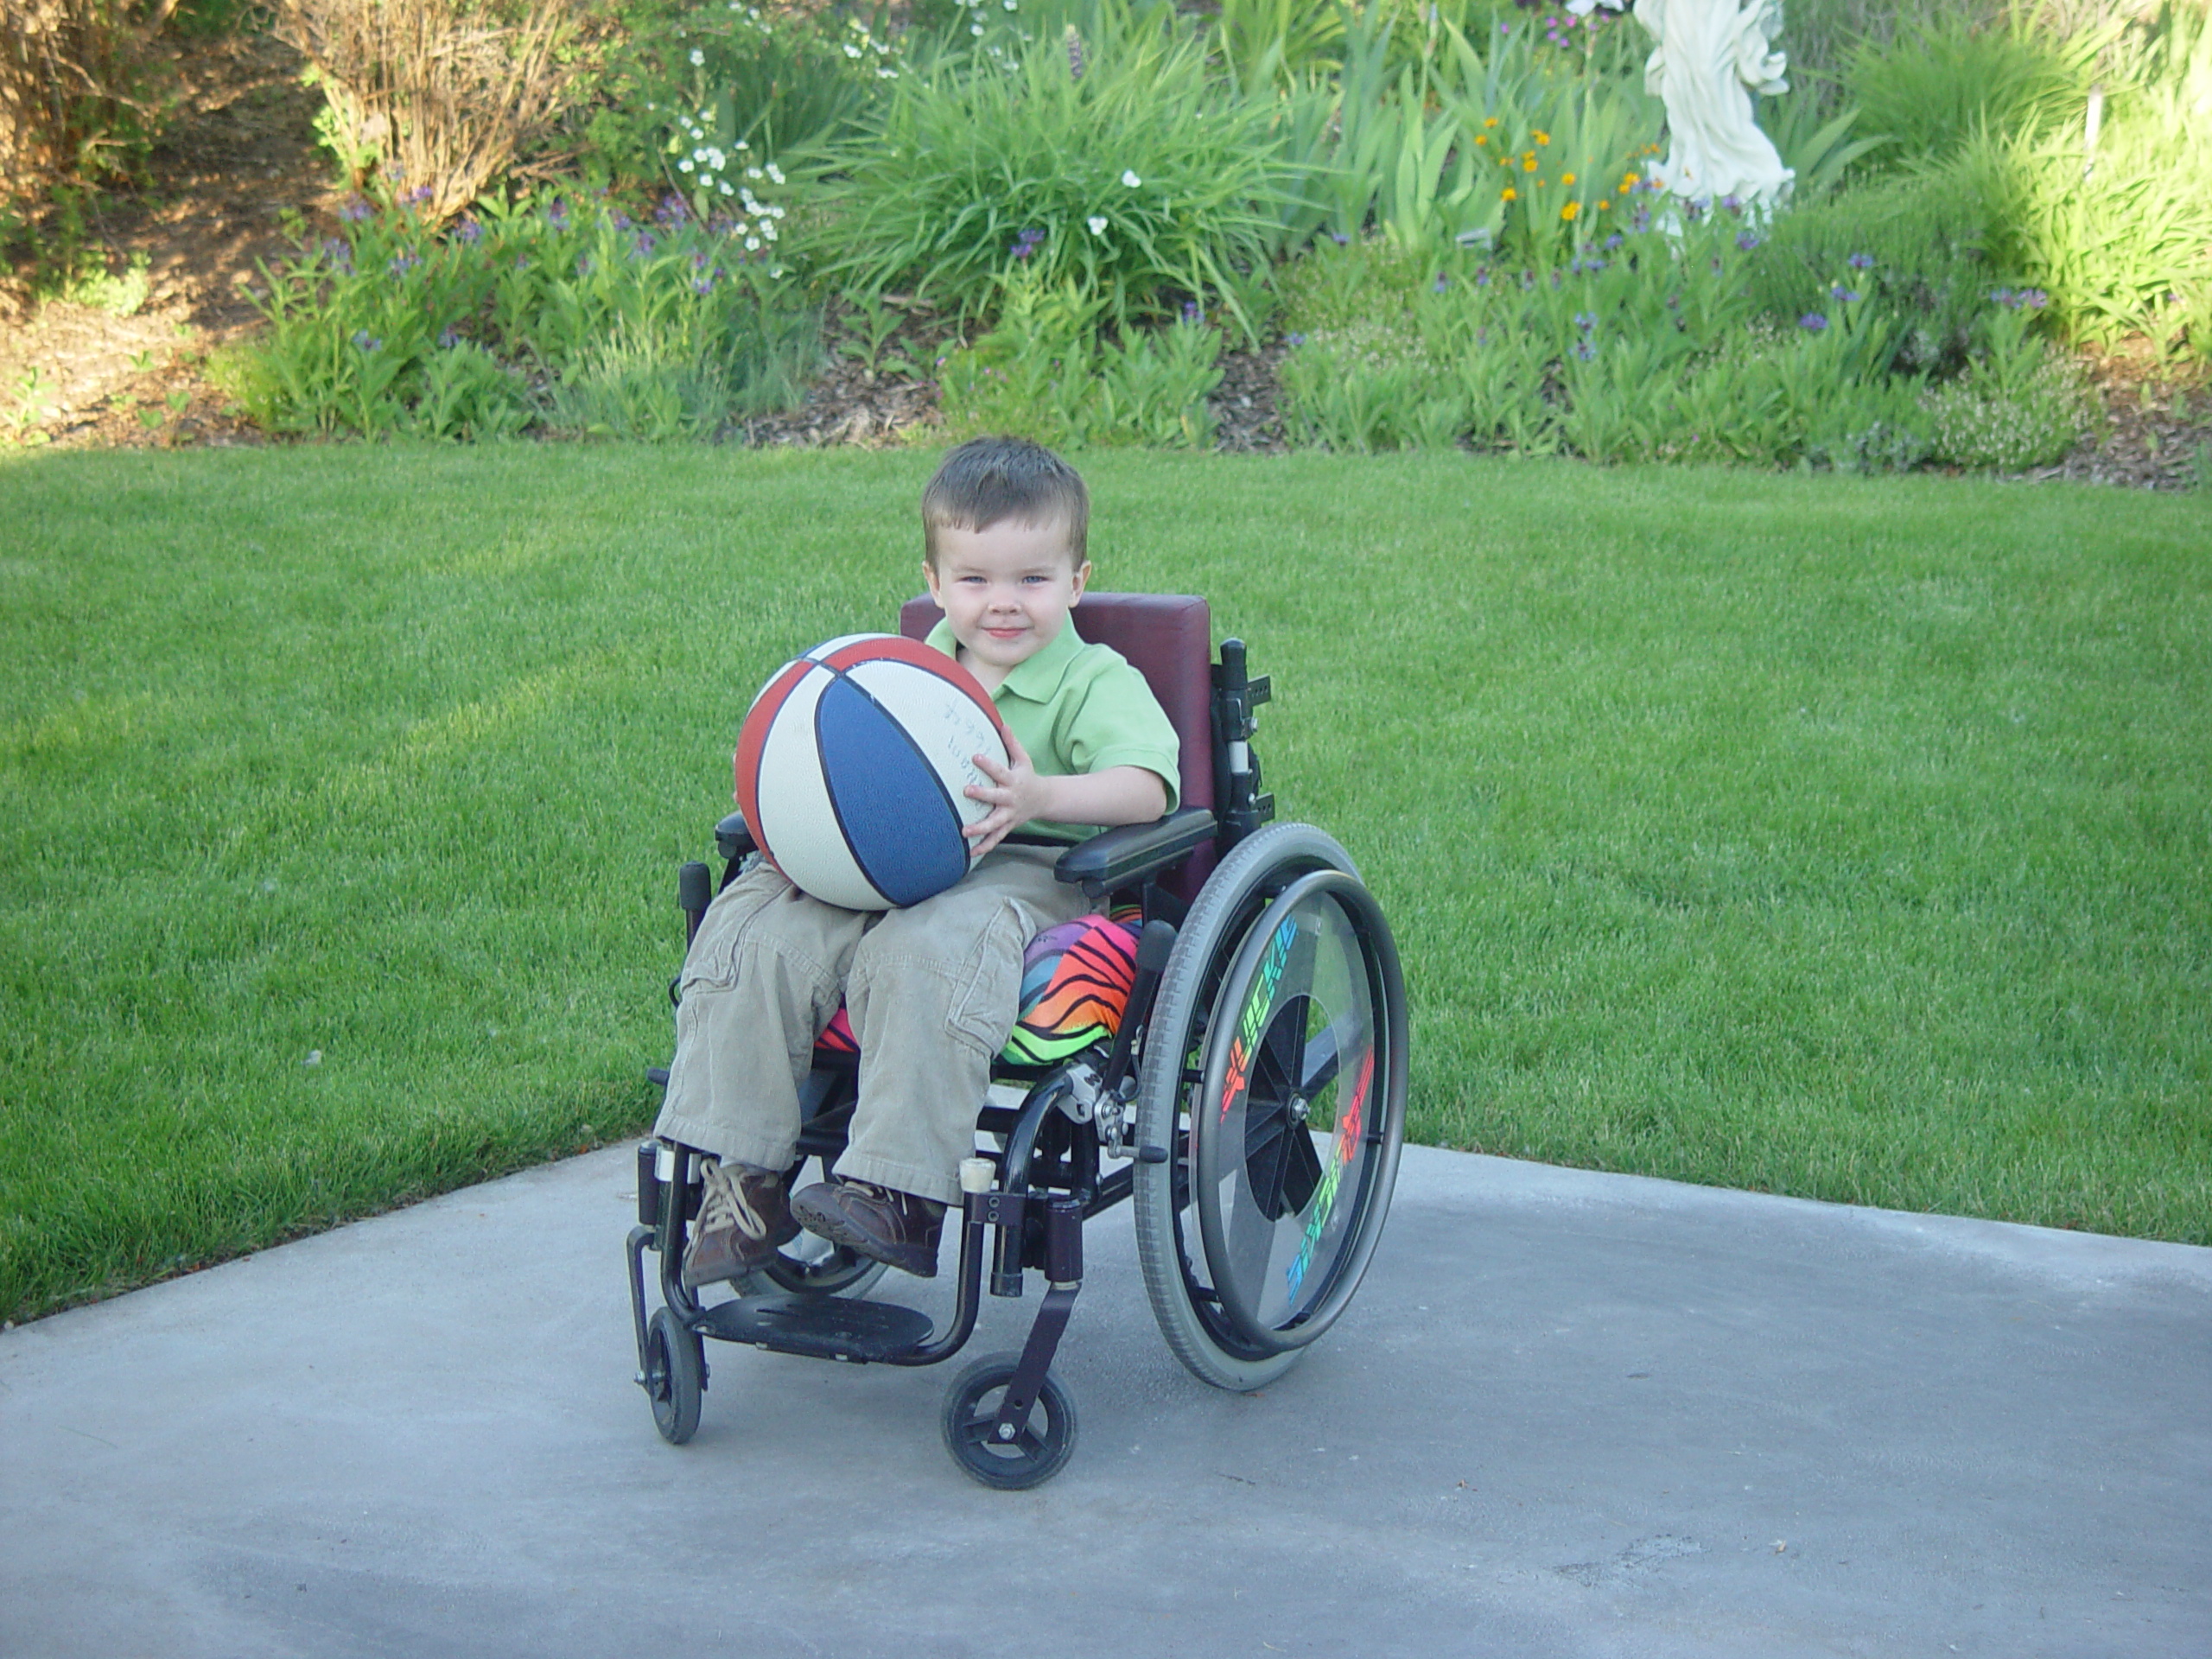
x=726, y=1204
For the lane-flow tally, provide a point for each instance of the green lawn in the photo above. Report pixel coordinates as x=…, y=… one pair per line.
x=1838, y=837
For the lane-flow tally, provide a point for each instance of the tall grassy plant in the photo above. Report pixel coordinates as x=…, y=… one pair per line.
x=1118, y=164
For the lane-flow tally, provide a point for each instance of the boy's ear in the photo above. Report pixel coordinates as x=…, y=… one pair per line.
x=928, y=577
x=1082, y=579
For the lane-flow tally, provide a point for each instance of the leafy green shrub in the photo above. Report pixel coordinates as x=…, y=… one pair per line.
x=1947, y=77
x=1641, y=346
x=541, y=312
x=1124, y=168
x=776, y=81
x=1927, y=234
x=2019, y=404
x=1046, y=371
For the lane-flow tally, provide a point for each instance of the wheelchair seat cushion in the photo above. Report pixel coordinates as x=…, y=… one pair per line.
x=1076, y=980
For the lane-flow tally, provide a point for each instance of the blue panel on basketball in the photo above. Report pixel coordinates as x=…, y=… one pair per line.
x=903, y=828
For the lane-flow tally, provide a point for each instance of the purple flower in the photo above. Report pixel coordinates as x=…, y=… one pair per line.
x=1812, y=322
x=469, y=231
x=1075, y=54
x=1528, y=281
x=1640, y=221
x=1838, y=291
x=699, y=260
x=620, y=219
x=448, y=337
x=703, y=285
x=2003, y=297
x=1191, y=312
x=1694, y=209
x=1482, y=336
x=1340, y=239
x=366, y=342
x=356, y=209
x=1860, y=262
x=1614, y=240
x=401, y=263
x=1746, y=241
x=1295, y=339
x=1557, y=280
x=2034, y=298
x=1733, y=204
x=1586, y=320
x=1586, y=349
x=583, y=264
x=644, y=246
x=671, y=210
x=339, y=253
x=1441, y=283
x=415, y=198
x=1482, y=277
x=557, y=214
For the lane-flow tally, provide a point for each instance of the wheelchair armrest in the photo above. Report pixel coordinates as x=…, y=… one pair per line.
x=732, y=839
x=1127, y=853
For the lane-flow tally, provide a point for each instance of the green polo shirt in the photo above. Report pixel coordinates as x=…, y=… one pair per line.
x=1079, y=707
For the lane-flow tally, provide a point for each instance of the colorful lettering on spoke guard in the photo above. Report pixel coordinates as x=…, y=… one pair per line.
x=1340, y=1148
x=1256, y=1008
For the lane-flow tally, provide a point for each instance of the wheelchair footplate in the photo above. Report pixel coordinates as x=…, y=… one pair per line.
x=820, y=1327
x=1007, y=1420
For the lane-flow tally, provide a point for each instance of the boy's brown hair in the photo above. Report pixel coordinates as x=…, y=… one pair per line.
x=987, y=479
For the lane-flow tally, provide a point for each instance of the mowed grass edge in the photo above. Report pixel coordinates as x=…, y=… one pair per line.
x=1838, y=837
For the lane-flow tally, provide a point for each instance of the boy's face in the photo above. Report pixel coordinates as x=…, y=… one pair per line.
x=1005, y=590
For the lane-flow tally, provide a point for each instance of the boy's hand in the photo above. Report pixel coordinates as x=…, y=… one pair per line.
x=1015, y=794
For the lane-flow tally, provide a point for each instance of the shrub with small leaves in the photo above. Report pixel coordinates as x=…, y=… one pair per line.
x=554, y=309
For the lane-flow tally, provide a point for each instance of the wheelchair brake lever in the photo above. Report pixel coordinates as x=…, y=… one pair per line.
x=1155, y=945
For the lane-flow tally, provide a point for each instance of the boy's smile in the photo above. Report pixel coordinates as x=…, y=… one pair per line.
x=1005, y=590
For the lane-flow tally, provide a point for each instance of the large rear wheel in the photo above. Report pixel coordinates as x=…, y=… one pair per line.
x=1274, y=1079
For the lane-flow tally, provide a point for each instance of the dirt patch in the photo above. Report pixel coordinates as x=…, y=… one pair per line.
x=239, y=161
x=237, y=157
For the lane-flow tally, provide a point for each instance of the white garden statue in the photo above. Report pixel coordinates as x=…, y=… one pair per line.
x=1707, y=57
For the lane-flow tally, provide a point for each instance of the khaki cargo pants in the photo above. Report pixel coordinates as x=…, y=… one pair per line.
x=931, y=991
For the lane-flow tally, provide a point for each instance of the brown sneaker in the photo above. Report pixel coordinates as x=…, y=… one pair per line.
x=896, y=1228
x=743, y=1218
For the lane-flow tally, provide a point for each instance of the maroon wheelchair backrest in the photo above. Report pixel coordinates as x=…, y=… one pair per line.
x=1169, y=639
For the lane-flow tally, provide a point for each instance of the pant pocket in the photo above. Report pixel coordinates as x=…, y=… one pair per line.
x=983, y=1011
x=712, y=960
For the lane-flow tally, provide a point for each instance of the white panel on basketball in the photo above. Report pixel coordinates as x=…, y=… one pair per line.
x=799, y=822
x=944, y=722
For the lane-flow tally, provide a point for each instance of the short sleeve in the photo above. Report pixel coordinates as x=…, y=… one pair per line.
x=1116, y=721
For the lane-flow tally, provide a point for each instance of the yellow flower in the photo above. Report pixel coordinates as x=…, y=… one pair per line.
x=1480, y=139
x=1491, y=122
x=1603, y=204
x=1509, y=194
x=1570, y=210
x=1628, y=183
x=1529, y=162
x=1567, y=178
x=1543, y=137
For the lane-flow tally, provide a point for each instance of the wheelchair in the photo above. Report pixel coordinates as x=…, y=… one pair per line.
x=1242, y=1080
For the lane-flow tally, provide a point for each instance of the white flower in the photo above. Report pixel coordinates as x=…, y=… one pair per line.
x=698, y=57
x=684, y=166
x=1131, y=180
x=769, y=230
x=1097, y=222
x=775, y=173
x=851, y=51
x=975, y=28
x=752, y=245
x=724, y=186
x=754, y=173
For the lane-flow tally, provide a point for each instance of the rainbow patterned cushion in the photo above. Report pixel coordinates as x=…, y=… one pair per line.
x=1076, y=980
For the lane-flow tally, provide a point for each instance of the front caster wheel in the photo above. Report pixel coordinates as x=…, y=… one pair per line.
x=676, y=1375
x=1038, y=1448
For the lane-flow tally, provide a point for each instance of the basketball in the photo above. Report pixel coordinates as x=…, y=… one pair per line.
x=852, y=764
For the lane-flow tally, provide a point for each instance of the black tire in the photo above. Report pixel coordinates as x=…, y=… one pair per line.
x=676, y=1375
x=1207, y=1298
x=971, y=1409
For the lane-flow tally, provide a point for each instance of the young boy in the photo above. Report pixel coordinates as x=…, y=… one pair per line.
x=932, y=990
